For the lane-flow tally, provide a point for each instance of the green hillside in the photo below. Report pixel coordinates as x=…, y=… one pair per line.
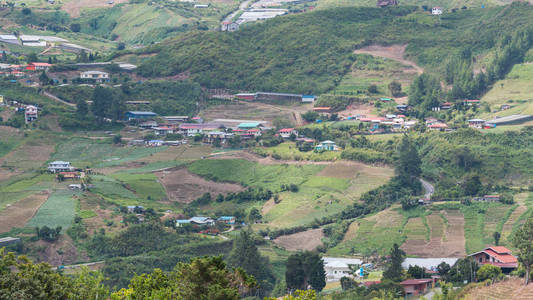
x=313, y=51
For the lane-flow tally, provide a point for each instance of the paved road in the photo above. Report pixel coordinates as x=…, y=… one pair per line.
x=243, y=6
x=428, y=188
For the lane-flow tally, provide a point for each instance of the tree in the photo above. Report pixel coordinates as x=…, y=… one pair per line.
x=102, y=100
x=488, y=271
x=26, y=11
x=245, y=255
x=117, y=139
x=394, y=271
x=43, y=78
x=443, y=269
x=496, y=235
x=523, y=241
x=121, y=46
x=472, y=185
x=22, y=279
x=82, y=109
x=395, y=88
x=408, y=167
x=75, y=27
x=32, y=57
x=373, y=89
x=310, y=116
x=416, y=272
x=304, y=269
x=204, y=278
x=254, y=215
x=347, y=283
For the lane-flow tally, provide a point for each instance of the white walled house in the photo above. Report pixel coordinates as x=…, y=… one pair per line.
x=436, y=11
x=337, y=267
x=97, y=76
x=60, y=166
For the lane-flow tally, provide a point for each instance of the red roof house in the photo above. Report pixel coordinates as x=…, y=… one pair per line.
x=322, y=109
x=287, y=132
x=415, y=287
x=498, y=256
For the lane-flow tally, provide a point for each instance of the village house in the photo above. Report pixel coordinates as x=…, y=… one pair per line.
x=385, y=3
x=155, y=143
x=192, y=129
x=402, y=107
x=327, y=146
x=138, y=115
x=229, y=26
x=287, y=132
x=471, y=102
x=438, y=127
x=498, y=256
x=337, y=267
x=96, y=76
x=60, y=166
x=416, y=287
x=70, y=175
x=322, y=109
x=246, y=96
x=213, y=136
x=505, y=107
x=163, y=130
x=308, y=98
x=175, y=119
x=436, y=11
x=230, y=220
x=446, y=105
x=476, y=123
x=196, y=221
x=488, y=198
x=30, y=113
x=134, y=208
x=38, y=66
x=250, y=125
x=148, y=124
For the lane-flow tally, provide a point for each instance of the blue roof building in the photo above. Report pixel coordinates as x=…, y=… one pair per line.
x=249, y=125
x=137, y=115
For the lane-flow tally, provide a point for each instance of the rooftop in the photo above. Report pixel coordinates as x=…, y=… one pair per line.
x=416, y=281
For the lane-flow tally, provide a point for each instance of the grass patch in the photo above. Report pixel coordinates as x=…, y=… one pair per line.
x=86, y=214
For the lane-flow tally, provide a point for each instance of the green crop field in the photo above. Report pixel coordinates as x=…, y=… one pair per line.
x=253, y=174
x=289, y=151
x=92, y=153
x=58, y=210
x=110, y=187
x=145, y=186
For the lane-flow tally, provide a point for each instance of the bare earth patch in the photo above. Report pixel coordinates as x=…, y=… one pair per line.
x=184, y=187
x=74, y=7
x=351, y=233
x=61, y=252
x=445, y=241
x=307, y=240
x=357, y=109
x=18, y=214
x=394, y=52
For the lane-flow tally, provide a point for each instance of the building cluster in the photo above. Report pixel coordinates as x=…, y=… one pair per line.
x=23, y=70
x=498, y=256
x=508, y=120
x=42, y=41
x=252, y=15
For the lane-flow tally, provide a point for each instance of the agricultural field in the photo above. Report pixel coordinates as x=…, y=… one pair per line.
x=322, y=189
x=289, y=151
x=58, y=210
x=99, y=154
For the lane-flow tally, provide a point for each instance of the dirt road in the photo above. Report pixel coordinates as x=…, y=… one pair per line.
x=428, y=188
x=55, y=98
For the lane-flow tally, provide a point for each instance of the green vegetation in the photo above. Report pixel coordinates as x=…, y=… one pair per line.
x=99, y=153
x=145, y=186
x=315, y=59
x=58, y=210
